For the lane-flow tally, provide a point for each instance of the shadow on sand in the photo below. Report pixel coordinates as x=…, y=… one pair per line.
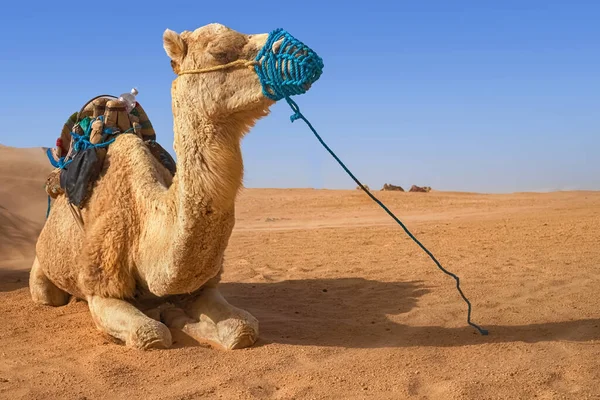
x=353, y=313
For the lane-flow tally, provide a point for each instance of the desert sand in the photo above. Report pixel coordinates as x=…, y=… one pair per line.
x=349, y=307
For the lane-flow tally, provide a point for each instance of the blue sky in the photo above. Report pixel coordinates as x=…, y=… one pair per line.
x=486, y=96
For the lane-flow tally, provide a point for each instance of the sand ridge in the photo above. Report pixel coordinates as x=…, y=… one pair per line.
x=349, y=307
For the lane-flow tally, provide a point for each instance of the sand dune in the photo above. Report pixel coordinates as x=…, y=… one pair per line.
x=17, y=236
x=23, y=203
x=349, y=307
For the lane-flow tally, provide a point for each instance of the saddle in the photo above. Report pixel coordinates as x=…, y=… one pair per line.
x=78, y=156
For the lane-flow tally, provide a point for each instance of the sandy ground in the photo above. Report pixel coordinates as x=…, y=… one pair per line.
x=349, y=307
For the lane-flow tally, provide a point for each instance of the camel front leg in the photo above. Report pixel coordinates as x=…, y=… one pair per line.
x=123, y=321
x=209, y=317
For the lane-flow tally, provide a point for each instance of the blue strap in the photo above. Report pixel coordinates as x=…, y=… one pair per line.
x=54, y=163
x=48, y=209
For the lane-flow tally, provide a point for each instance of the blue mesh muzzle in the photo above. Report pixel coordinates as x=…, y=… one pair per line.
x=288, y=71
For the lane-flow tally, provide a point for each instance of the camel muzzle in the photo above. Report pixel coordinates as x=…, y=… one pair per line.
x=286, y=66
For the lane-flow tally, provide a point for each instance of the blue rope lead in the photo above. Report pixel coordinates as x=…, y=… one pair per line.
x=48, y=209
x=298, y=115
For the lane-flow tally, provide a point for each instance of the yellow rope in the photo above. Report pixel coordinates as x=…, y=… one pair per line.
x=237, y=63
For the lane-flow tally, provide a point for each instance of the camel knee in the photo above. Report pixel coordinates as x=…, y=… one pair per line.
x=221, y=322
x=125, y=322
x=150, y=334
x=42, y=290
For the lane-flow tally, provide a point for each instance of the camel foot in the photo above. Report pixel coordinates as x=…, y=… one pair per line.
x=210, y=317
x=42, y=290
x=123, y=321
x=151, y=335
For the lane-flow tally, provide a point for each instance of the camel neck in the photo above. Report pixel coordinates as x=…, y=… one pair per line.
x=199, y=208
x=209, y=164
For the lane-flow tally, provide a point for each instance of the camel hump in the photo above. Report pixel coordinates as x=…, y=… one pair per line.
x=78, y=155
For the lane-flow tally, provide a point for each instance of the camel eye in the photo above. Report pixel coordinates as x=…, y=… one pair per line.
x=222, y=56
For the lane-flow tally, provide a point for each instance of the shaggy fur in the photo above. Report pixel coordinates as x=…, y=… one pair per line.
x=148, y=235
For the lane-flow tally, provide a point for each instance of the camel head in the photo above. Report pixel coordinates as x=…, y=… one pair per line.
x=218, y=71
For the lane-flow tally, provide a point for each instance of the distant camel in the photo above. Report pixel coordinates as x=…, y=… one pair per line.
x=366, y=187
x=390, y=187
x=424, y=189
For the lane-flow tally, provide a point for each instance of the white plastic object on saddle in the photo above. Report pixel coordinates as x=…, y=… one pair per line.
x=129, y=99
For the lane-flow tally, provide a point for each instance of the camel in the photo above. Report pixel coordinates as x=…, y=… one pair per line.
x=419, y=189
x=390, y=187
x=150, y=256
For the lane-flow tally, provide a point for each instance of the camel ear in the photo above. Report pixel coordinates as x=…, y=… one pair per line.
x=174, y=46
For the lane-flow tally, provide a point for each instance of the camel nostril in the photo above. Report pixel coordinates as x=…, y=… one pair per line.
x=277, y=45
